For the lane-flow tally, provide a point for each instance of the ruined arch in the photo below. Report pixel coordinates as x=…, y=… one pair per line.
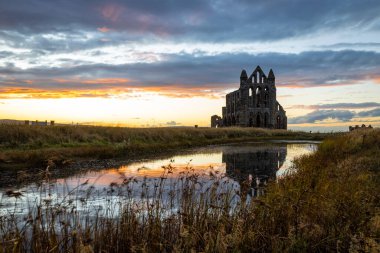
x=266, y=119
x=259, y=120
x=258, y=90
x=258, y=96
x=266, y=97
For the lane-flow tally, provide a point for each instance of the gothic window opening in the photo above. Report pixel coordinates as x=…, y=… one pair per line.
x=258, y=96
x=258, y=120
x=266, y=100
x=278, y=122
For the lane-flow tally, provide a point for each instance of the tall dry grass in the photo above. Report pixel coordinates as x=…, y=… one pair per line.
x=35, y=145
x=329, y=202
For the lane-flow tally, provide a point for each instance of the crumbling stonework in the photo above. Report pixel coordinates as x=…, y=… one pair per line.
x=352, y=128
x=216, y=121
x=254, y=104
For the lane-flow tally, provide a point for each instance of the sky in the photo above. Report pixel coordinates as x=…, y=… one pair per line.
x=171, y=63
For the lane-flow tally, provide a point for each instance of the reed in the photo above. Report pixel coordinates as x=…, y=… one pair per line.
x=329, y=201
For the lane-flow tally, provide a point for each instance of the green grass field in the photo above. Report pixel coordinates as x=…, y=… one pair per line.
x=36, y=145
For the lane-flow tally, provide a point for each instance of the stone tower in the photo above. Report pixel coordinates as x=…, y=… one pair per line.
x=254, y=104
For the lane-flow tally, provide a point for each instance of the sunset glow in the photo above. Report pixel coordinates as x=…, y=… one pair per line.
x=149, y=64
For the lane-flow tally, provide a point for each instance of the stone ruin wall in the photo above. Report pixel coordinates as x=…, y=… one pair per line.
x=254, y=104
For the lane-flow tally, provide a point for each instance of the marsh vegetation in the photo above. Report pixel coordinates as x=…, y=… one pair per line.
x=35, y=146
x=329, y=201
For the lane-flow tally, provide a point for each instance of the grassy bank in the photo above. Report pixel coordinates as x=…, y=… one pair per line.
x=330, y=202
x=35, y=145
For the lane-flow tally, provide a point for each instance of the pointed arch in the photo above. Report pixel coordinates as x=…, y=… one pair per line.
x=258, y=96
x=259, y=120
x=266, y=119
x=266, y=97
x=278, y=122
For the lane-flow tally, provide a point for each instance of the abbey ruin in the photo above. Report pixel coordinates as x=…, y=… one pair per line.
x=254, y=104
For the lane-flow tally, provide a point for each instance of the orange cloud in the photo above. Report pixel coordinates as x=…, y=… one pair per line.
x=103, y=29
x=376, y=80
x=125, y=87
x=106, y=92
x=106, y=81
x=92, y=81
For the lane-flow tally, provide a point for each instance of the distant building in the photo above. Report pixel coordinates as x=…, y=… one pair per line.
x=352, y=128
x=39, y=123
x=254, y=104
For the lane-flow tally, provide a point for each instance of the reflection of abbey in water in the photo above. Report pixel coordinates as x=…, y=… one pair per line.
x=261, y=163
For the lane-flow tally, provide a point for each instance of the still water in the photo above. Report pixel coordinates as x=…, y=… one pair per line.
x=98, y=189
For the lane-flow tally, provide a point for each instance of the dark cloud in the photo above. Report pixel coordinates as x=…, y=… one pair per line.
x=4, y=54
x=371, y=113
x=361, y=45
x=319, y=115
x=226, y=20
x=340, y=115
x=307, y=69
x=42, y=28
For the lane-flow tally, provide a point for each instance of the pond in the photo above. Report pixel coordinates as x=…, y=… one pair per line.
x=159, y=179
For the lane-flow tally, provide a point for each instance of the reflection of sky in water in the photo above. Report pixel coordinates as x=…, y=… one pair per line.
x=201, y=161
x=293, y=151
